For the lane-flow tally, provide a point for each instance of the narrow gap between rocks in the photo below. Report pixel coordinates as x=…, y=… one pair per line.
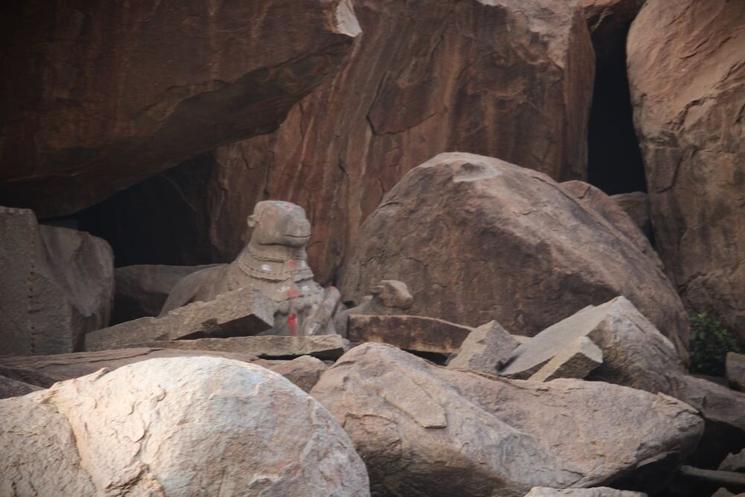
x=614, y=160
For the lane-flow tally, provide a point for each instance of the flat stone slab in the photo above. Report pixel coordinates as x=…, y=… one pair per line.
x=267, y=346
x=45, y=370
x=578, y=359
x=237, y=313
x=417, y=333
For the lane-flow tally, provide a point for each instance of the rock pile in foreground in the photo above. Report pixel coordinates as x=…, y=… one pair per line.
x=176, y=427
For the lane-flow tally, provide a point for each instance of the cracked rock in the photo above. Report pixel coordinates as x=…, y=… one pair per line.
x=428, y=430
x=176, y=427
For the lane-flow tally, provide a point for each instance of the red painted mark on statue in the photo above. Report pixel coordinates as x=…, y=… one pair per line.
x=292, y=293
x=292, y=264
x=292, y=324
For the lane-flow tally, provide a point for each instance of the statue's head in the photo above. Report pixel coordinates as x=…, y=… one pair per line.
x=279, y=223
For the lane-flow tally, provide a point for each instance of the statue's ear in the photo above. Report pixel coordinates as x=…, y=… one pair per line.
x=251, y=221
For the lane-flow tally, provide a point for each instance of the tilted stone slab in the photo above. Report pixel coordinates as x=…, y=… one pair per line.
x=576, y=360
x=417, y=333
x=237, y=313
x=267, y=346
x=635, y=353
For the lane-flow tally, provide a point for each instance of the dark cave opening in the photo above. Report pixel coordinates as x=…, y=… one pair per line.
x=615, y=162
x=162, y=220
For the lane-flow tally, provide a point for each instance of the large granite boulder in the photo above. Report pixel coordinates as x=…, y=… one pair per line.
x=57, y=284
x=428, y=430
x=685, y=63
x=477, y=239
x=101, y=95
x=507, y=78
x=176, y=427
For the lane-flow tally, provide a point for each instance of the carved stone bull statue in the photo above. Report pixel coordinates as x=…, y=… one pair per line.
x=275, y=263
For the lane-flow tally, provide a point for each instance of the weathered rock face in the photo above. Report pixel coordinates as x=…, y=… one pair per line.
x=427, y=77
x=484, y=350
x=593, y=198
x=477, y=239
x=176, y=427
x=428, y=430
x=101, y=96
x=57, y=284
x=688, y=87
x=636, y=205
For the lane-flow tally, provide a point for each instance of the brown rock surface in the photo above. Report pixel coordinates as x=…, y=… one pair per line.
x=303, y=371
x=419, y=333
x=268, y=346
x=687, y=76
x=477, y=239
x=608, y=208
x=100, y=96
x=636, y=205
x=508, y=78
x=428, y=430
x=177, y=427
x=56, y=284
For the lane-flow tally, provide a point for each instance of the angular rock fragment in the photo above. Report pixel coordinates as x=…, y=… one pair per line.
x=57, y=284
x=634, y=353
x=576, y=360
x=581, y=492
x=428, y=430
x=417, y=333
x=484, y=350
x=105, y=95
x=687, y=80
x=14, y=388
x=267, y=346
x=723, y=492
x=386, y=297
x=141, y=290
x=177, y=427
x=303, y=371
x=237, y=313
x=477, y=238
x=735, y=367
